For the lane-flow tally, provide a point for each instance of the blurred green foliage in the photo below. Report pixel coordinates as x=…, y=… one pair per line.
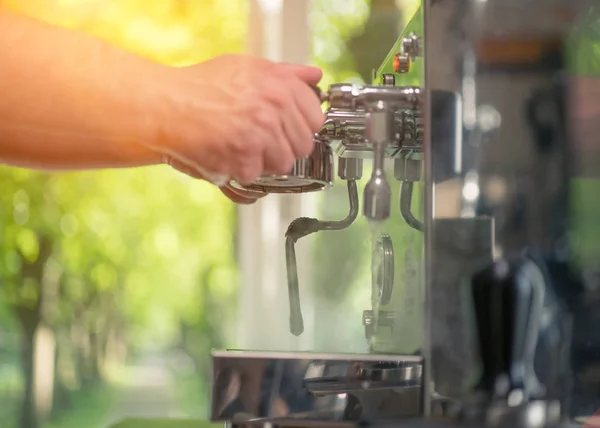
x=108, y=264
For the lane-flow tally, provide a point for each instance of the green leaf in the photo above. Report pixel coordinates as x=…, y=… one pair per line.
x=28, y=244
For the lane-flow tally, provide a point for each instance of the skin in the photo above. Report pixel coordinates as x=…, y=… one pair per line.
x=70, y=101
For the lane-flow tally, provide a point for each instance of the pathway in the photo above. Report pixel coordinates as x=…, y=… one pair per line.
x=148, y=393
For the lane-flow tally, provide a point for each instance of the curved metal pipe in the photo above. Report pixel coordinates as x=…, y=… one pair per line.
x=406, y=192
x=297, y=229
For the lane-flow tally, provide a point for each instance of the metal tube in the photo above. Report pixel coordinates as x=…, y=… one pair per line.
x=299, y=228
x=406, y=192
x=348, y=96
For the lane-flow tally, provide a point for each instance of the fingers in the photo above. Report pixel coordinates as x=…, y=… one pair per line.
x=249, y=166
x=295, y=118
x=280, y=154
x=241, y=196
x=278, y=151
x=309, y=106
x=298, y=132
x=235, y=195
x=242, y=117
x=308, y=74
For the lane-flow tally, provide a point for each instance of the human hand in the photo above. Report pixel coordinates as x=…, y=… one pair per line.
x=238, y=196
x=238, y=117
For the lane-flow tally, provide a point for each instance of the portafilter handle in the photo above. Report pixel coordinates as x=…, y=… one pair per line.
x=322, y=95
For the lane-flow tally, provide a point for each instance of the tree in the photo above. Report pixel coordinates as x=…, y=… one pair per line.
x=95, y=261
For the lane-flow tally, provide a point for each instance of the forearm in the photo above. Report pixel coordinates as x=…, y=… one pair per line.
x=70, y=101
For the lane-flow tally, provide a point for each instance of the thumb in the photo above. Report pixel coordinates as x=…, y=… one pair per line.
x=306, y=73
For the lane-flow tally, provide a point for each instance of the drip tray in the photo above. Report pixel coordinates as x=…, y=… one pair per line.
x=253, y=386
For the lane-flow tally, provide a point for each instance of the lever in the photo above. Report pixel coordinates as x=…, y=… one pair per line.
x=299, y=228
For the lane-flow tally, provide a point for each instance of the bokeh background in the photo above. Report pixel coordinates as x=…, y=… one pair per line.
x=116, y=285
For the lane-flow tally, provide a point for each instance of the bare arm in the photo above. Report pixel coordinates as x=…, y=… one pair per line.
x=69, y=101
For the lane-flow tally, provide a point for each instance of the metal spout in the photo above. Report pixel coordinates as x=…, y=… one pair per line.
x=377, y=198
x=378, y=195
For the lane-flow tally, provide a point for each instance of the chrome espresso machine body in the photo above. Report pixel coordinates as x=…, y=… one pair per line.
x=509, y=336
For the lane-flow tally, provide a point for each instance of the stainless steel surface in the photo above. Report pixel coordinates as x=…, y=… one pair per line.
x=267, y=386
x=350, y=169
x=344, y=130
x=345, y=126
x=408, y=171
x=308, y=174
x=406, y=193
x=459, y=247
x=354, y=97
x=378, y=194
x=345, y=133
x=506, y=161
x=510, y=332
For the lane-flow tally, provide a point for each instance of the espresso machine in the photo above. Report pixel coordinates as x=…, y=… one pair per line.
x=510, y=334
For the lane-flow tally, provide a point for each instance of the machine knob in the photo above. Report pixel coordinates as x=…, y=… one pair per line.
x=388, y=79
x=401, y=64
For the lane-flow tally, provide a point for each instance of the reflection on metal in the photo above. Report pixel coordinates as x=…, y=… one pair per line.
x=292, y=388
x=378, y=194
x=408, y=171
x=406, y=193
x=346, y=132
x=308, y=175
x=511, y=331
x=501, y=291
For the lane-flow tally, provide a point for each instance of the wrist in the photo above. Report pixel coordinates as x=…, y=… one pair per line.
x=180, y=116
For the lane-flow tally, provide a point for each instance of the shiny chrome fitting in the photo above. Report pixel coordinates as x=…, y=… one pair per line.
x=308, y=175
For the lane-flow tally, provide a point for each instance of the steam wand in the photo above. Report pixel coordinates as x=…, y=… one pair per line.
x=304, y=226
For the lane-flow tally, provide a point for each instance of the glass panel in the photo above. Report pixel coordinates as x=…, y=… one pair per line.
x=511, y=257
x=350, y=46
